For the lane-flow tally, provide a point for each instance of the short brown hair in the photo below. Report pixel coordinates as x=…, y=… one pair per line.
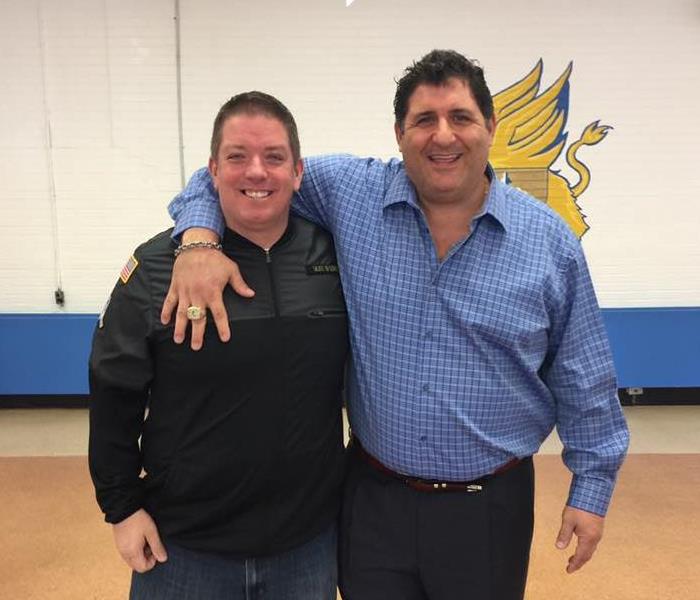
x=255, y=103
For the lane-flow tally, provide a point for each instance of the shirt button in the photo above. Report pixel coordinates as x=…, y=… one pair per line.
x=428, y=335
x=423, y=438
x=426, y=387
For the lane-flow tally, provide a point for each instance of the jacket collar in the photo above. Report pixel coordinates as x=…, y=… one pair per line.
x=233, y=240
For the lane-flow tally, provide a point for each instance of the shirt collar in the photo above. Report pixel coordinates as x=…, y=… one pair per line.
x=496, y=203
x=401, y=190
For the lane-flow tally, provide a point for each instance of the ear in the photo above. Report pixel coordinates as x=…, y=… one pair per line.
x=491, y=125
x=213, y=167
x=399, y=134
x=298, y=174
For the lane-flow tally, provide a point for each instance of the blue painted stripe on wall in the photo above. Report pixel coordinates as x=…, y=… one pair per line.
x=47, y=354
x=655, y=347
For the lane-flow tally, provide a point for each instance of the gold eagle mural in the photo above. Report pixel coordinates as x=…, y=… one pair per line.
x=531, y=135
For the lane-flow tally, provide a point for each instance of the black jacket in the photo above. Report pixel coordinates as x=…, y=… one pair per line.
x=242, y=446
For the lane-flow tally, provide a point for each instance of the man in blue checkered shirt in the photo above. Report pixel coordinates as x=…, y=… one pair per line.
x=474, y=330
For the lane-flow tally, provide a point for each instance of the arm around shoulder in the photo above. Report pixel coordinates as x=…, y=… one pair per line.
x=318, y=197
x=197, y=205
x=200, y=273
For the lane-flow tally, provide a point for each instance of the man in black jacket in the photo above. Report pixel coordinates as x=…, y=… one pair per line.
x=234, y=487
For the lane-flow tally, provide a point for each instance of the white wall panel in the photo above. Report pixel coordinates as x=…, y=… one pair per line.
x=27, y=273
x=110, y=81
x=109, y=76
x=116, y=188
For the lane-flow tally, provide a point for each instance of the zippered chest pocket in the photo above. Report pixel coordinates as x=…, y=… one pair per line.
x=321, y=313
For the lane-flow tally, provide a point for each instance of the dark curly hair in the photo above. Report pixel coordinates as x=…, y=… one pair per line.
x=435, y=68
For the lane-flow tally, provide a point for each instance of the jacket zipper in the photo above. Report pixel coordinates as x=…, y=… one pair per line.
x=273, y=287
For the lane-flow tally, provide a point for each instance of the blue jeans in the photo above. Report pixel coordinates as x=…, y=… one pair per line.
x=308, y=572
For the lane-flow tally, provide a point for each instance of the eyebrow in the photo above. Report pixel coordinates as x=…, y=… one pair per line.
x=228, y=147
x=427, y=113
x=276, y=148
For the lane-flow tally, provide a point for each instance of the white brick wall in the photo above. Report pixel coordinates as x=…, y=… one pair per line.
x=110, y=89
x=109, y=84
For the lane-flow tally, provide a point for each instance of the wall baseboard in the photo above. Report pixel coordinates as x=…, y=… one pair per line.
x=659, y=396
x=41, y=401
x=628, y=397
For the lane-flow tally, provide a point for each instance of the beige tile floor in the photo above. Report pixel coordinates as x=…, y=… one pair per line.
x=624, y=573
x=63, y=432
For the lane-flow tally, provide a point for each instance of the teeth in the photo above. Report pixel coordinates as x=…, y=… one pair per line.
x=257, y=194
x=444, y=157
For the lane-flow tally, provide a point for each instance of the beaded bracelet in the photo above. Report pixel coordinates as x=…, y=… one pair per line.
x=183, y=247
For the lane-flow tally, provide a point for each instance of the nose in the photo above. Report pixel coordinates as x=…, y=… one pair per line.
x=443, y=133
x=255, y=169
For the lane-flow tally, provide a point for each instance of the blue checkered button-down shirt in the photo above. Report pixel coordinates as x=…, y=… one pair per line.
x=461, y=364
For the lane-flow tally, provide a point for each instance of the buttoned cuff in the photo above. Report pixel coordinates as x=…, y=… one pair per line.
x=591, y=494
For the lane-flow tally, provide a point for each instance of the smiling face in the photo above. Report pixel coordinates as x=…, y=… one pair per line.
x=445, y=142
x=256, y=175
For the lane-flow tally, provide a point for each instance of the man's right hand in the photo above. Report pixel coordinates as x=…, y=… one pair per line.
x=199, y=278
x=138, y=542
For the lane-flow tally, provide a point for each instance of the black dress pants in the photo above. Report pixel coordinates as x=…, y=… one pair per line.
x=398, y=543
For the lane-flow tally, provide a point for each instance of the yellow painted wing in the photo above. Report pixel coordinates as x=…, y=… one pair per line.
x=530, y=131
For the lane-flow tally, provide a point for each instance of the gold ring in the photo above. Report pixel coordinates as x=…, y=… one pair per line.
x=194, y=313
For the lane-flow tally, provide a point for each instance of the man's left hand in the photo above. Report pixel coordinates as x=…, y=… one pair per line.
x=588, y=528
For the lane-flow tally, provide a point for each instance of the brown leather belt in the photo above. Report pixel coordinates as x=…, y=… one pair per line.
x=426, y=485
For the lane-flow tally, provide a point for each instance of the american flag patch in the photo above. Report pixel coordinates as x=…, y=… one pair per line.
x=128, y=268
